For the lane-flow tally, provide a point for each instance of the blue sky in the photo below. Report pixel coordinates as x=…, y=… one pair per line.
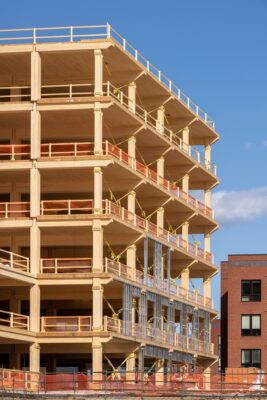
x=216, y=52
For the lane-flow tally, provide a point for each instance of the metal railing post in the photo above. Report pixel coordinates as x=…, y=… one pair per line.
x=70, y=93
x=71, y=33
x=11, y=320
x=12, y=152
x=34, y=35
x=108, y=32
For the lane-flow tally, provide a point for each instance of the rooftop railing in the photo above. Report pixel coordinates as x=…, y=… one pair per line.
x=78, y=33
x=14, y=320
x=13, y=260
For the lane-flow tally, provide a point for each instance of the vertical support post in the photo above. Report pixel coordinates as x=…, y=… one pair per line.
x=34, y=357
x=132, y=97
x=97, y=305
x=130, y=368
x=207, y=242
x=35, y=306
x=160, y=218
x=35, y=191
x=208, y=156
x=145, y=259
x=185, y=183
x=159, y=375
x=98, y=73
x=185, y=138
x=207, y=374
x=207, y=288
x=131, y=259
x=97, y=359
x=207, y=197
x=185, y=279
x=35, y=133
x=98, y=129
x=160, y=120
x=98, y=190
x=131, y=201
x=35, y=75
x=133, y=315
x=35, y=243
x=141, y=363
x=185, y=231
x=97, y=246
x=168, y=267
x=132, y=147
x=160, y=166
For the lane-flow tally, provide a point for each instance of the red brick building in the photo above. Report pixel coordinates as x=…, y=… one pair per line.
x=243, y=311
x=216, y=339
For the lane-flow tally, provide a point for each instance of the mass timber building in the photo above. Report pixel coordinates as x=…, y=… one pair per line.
x=101, y=234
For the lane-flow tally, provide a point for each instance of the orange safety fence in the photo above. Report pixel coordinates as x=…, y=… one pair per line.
x=146, y=383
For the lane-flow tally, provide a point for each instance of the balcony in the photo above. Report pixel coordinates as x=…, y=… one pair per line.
x=65, y=265
x=14, y=320
x=166, y=336
x=85, y=207
x=49, y=150
x=169, y=287
x=14, y=210
x=66, y=324
x=70, y=91
x=14, y=261
x=84, y=265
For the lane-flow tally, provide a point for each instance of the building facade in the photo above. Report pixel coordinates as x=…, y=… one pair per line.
x=243, y=309
x=216, y=340
x=101, y=233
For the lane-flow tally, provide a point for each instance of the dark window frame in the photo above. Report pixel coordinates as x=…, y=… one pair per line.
x=250, y=364
x=251, y=296
x=251, y=331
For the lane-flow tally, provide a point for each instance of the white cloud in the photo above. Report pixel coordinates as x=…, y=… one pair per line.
x=265, y=143
x=243, y=205
x=248, y=146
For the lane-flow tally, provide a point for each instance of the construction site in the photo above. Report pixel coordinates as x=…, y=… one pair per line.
x=105, y=223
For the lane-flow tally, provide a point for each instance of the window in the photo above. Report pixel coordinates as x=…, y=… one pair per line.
x=251, y=358
x=250, y=325
x=251, y=290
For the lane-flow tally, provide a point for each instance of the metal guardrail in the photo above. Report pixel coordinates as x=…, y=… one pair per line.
x=65, y=265
x=14, y=320
x=133, y=274
x=13, y=260
x=81, y=149
x=70, y=91
x=86, y=206
x=166, y=335
x=77, y=33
